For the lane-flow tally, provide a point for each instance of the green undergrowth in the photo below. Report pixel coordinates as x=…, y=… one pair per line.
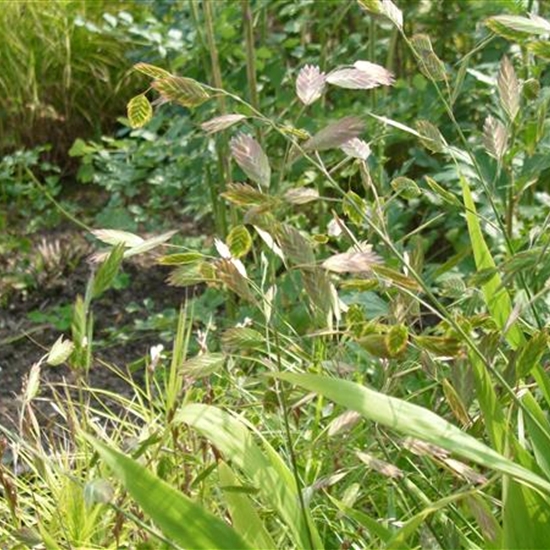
x=367, y=364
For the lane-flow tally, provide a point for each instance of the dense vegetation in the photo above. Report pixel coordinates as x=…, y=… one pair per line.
x=362, y=359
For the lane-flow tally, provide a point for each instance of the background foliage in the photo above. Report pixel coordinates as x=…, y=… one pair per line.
x=365, y=364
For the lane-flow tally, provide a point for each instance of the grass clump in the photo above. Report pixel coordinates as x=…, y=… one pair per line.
x=376, y=377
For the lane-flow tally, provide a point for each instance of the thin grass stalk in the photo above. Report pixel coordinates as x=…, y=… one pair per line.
x=222, y=144
x=251, y=59
x=281, y=394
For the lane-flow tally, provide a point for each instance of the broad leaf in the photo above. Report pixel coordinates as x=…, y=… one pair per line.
x=244, y=516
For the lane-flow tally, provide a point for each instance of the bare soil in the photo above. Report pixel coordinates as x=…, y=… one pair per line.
x=23, y=342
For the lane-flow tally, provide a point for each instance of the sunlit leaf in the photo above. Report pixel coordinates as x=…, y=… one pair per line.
x=396, y=124
x=245, y=518
x=414, y=421
x=262, y=465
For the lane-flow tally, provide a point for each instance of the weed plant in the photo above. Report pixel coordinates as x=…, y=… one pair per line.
x=357, y=394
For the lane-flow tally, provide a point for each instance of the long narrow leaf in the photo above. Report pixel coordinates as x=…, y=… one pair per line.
x=497, y=298
x=415, y=421
x=179, y=518
x=246, y=520
x=265, y=469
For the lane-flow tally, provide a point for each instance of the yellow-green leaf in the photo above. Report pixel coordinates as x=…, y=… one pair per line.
x=239, y=241
x=140, y=111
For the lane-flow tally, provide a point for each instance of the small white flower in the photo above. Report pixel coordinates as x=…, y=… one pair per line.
x=155, y=353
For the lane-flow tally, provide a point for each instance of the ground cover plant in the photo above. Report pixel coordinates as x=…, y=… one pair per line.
x=375, y=373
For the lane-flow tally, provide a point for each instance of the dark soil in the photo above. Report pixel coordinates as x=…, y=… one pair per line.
x=23, y=343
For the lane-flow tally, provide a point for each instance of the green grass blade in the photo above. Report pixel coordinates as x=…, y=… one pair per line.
x=398, y=540
x=244, y=517
x=493, y=415
x=526, y=518
x=265, y=469
x=496, y=297
x=370, y=524
x=178, y=517
x=415, y=421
